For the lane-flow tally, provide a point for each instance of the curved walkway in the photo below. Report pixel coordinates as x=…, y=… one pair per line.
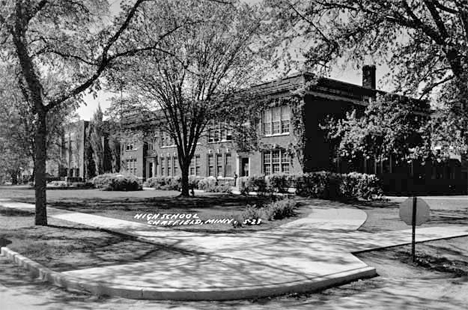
x=308, y=254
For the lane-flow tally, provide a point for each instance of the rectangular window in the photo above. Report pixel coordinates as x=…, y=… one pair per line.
x=219, y=165
x=131, y=166
x=276, y=116
x=276, y=161
x=211, y=165
x=219, y=132
x=169, y=168
x=228, y=165
x=285, y=119
x=192, y=167
x=175, y=164
x=197, y=165
x=129, y=146
x=276, y=120
x=267, y=163
x=162, y=163
x=285, y=162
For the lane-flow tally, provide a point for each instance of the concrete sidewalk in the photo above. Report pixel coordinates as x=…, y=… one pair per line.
x=308, y=254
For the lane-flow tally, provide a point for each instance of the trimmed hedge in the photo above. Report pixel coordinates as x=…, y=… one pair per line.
x=323, y=185
x=116, y=182
x=164, y=183
x=209, y=184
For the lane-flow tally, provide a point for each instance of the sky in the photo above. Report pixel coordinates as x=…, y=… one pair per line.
x=349, y=74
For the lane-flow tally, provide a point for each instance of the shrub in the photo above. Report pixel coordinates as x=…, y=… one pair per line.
x=280, y=209
x=207, y=184
x=329, y=185
x=257, y=184
x=367, y=186
x=193, y=182
x=116, y=182
x=323, y=185
x=278, y=182
x=164, y=183
x=252, y=212
x=223, y=188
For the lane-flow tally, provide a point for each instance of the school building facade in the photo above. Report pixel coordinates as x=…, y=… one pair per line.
x=216, y=155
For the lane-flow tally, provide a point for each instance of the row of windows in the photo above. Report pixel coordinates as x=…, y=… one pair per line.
x=218, y=165
x=169, y=166
x=274, y=121
x=219, y=133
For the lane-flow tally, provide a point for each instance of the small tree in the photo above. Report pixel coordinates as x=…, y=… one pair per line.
x=390, y=126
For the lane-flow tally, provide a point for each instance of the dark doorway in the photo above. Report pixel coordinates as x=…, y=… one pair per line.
x=244, y=167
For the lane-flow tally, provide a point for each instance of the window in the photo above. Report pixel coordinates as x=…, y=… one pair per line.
x=175, y=164
x=169, y=168
x=162, y=161
x=228, y=165
x=211, y=165
x=276, y=161
x=166, y=139
x=130, y=146
x=151, y=145
x=195, y=165
x=276, y=121
x=131, y=166
x=220, y=132
x=219, y=165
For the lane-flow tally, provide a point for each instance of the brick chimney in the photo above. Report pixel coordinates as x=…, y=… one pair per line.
x=368, y=76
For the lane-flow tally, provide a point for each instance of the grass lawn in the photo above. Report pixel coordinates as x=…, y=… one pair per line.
x=125, y=205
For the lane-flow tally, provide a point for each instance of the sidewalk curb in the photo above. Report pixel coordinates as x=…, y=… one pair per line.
x=131, y=292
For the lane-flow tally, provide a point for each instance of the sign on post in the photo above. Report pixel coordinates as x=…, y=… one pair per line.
x=415, y=212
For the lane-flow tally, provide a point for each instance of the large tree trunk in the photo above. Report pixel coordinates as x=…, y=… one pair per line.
x=40, y=169
x=185, y=181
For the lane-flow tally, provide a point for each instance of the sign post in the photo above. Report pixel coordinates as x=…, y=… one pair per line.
x=414, y=211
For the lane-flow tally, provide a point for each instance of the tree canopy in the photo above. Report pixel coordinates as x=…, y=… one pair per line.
x=193, y=81
x=69, y=40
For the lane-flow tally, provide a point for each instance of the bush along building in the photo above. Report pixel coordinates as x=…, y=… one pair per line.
x=292, y=141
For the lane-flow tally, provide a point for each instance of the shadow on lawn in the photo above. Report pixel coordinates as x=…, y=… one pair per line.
x=142, y=205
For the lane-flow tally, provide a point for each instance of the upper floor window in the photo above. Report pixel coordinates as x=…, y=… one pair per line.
x=219, y=133
x=276, y=120
x=130, y=146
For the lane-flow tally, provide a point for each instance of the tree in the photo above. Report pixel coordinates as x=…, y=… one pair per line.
x=17, y=126
x=425, y=44
x=390, y=127
x=204, y=68
x=68, y=40
x=96, y=139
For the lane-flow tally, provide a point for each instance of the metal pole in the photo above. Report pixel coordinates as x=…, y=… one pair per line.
x=413, y=222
